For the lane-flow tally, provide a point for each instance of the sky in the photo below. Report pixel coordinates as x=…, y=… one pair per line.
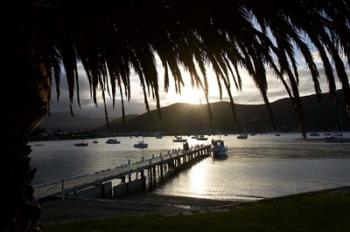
x=249, y=94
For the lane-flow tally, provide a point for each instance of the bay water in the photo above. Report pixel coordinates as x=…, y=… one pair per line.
x=261, y=166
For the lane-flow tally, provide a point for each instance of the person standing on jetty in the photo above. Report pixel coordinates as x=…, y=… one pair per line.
x=186, y=146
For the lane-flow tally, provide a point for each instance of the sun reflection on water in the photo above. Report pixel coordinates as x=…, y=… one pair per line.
x=198, y=179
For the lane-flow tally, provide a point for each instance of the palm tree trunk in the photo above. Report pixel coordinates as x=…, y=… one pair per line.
x=25, y=93
x=20, y=209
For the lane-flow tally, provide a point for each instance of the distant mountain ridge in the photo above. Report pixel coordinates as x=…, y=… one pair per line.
x=64, y=121
x=187, y=118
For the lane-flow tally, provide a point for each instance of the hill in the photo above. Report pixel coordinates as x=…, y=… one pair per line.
x=65, y=121
x=187, y=118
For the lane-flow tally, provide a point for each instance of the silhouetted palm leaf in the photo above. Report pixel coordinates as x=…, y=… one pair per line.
x=109, y=37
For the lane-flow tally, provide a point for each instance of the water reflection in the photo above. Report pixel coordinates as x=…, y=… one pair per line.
x=198, y=176
x=252, y=179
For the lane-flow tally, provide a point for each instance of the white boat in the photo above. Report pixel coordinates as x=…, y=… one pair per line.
x=219, y=149
x=140, y=144
x=202, y=137
x=112, y=141
x=179, y=139
x=242, y=136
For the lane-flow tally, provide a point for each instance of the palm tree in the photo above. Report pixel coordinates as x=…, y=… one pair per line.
x=110, y=38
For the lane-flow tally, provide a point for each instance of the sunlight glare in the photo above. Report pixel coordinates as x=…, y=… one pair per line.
x=188, y=95
x=198, y=176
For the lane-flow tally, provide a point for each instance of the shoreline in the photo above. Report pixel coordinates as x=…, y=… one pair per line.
x=72, y=209
x=56, y=211
x=35, y=139
x=318, y=211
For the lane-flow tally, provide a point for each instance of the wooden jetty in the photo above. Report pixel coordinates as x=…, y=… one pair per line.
x=143, y=175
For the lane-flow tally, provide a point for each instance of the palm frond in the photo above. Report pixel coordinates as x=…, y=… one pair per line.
x=110, y=37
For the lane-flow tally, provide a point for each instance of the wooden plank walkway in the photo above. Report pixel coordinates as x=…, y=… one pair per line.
x=80, y=182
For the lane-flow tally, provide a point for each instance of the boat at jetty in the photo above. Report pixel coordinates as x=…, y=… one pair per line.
x=219, y=149
x=202, y=137
x=81, y=144
x=141, y=144
x=112, y=141
x=179, y=139
x=242, y=136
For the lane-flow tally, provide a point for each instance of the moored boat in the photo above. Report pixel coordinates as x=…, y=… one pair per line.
x=242, y=136
x=141, y=144
x=81, y=144
x=202, y=137
x=112, y=141
x=38, y=145
x=219, y=149
x=314, y=134
x=179, y=139
x=337, y=139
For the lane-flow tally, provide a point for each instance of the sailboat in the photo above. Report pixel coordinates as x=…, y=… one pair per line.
x=112, y=141
x=242, y=136
x=81, y=144
x=141, y=144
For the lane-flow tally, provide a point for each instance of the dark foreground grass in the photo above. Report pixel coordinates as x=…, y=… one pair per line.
x=325, y=211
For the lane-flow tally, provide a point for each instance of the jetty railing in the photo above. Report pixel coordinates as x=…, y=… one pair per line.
x=142, y=175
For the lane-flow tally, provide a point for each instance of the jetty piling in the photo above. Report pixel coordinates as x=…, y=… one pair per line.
x=62, y=190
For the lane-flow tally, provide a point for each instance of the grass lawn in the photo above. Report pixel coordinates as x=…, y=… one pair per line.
x=323, y=211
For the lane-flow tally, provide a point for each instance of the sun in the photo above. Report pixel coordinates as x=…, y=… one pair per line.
x=188, y=95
